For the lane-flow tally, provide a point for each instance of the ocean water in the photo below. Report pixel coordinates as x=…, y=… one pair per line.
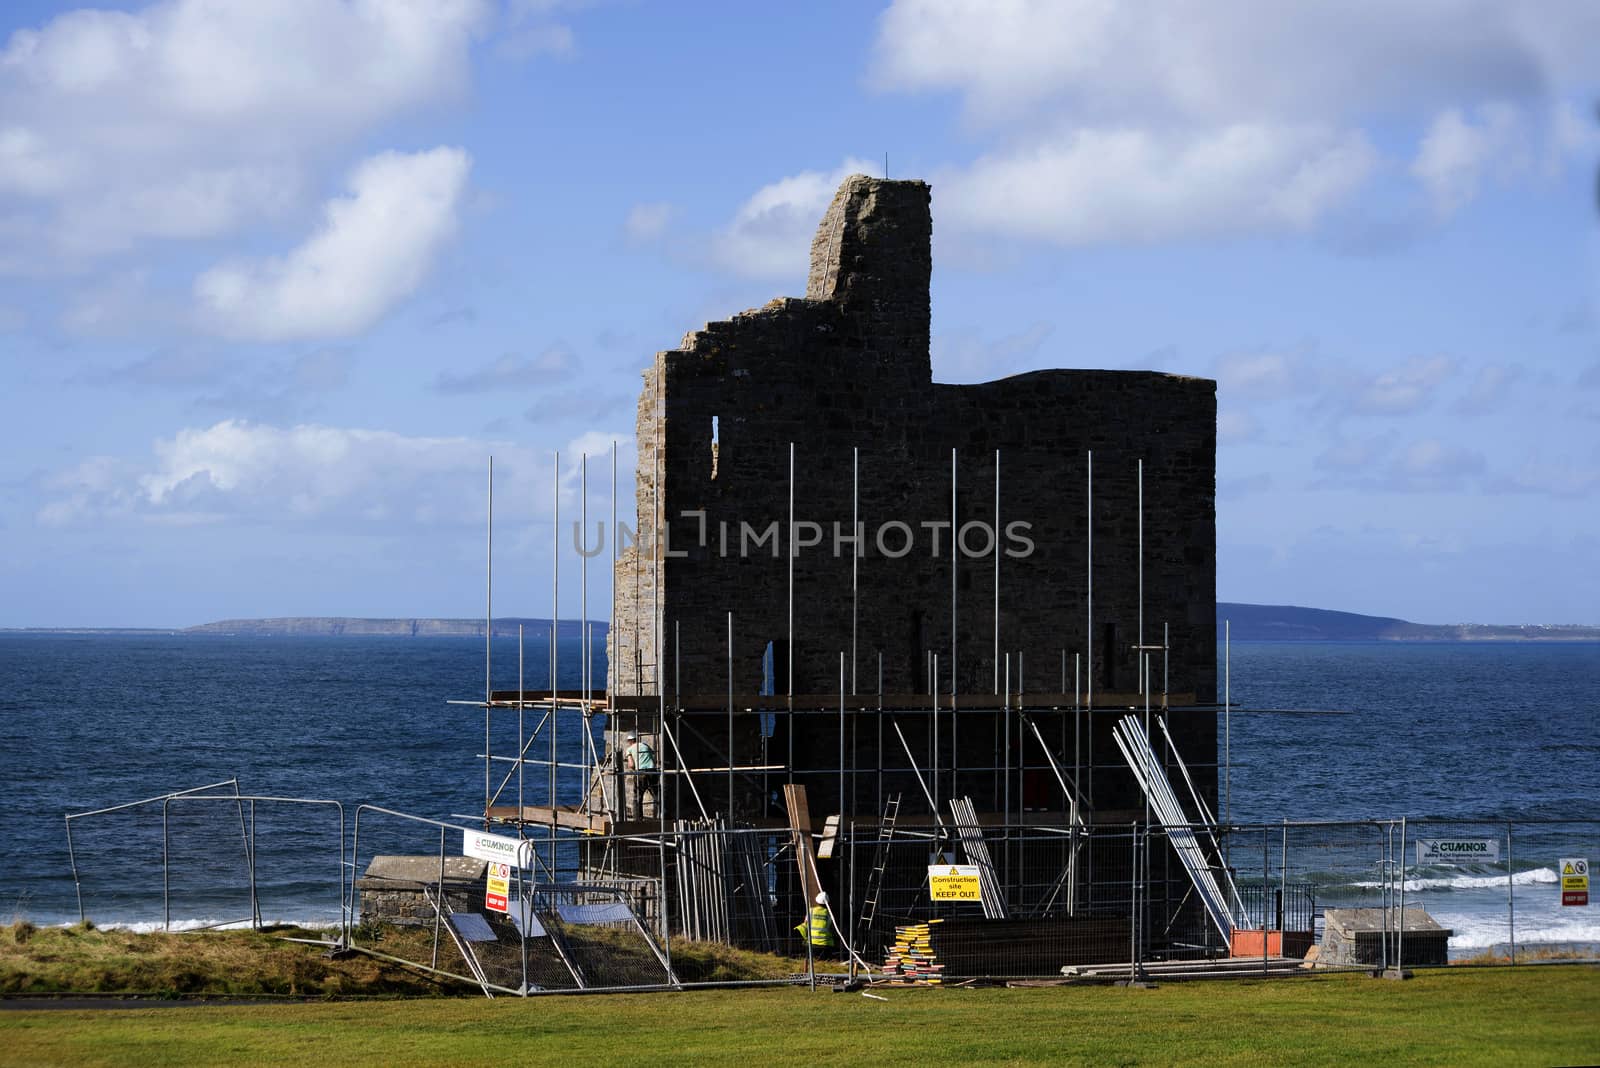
x=1469, y=732
x=1458, y=738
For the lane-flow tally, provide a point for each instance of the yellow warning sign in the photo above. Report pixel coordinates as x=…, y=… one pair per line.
x=498, y=887
x=954, y=882
x=1574, y=881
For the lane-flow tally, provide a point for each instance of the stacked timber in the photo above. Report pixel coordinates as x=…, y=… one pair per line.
x=973, y=948
x=911, y=957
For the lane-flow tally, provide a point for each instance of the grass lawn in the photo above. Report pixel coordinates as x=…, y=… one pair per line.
x=1548, y=1014
x=83, y=960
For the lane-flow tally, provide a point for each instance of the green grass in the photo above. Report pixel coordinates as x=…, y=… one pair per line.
x=81, y=959
x=84, y=959
x=1532, y=1015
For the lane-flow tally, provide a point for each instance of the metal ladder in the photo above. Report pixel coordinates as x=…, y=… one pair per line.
x=880, y=862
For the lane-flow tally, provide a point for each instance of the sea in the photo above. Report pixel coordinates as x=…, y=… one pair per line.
x=1501, y=737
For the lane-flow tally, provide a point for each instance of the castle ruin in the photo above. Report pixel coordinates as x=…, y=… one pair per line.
x=765, y=439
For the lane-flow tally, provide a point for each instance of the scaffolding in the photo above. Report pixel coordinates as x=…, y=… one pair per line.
x=1027, y=767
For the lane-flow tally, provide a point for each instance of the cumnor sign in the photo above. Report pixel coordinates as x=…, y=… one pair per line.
x=1458, y=851
x=954, y=882
x=496, y=847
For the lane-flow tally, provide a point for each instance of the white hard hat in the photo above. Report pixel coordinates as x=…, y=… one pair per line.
x=822, y=898
x=633, y=736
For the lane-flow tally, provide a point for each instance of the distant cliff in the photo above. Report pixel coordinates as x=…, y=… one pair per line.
x=1251, y=623
x=349, y=627
x=1288, y=623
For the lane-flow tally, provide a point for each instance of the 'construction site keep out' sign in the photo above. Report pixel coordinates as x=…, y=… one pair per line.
x=1574, y=881
x=954, y=882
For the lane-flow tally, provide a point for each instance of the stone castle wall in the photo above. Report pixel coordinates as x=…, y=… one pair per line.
x=848, y=368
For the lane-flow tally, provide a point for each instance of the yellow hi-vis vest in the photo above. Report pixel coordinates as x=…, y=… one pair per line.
x=821, y=931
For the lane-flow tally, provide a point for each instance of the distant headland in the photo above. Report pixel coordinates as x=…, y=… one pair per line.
x=343, y=627
x=1288, y=623
x=1250, y=622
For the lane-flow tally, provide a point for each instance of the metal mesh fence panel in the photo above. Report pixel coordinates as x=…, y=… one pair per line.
x=598, y=934
x=197, y=861
x=1507, y=891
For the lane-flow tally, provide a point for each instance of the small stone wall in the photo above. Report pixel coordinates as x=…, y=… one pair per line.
x=396, y=889
x=1356, y=937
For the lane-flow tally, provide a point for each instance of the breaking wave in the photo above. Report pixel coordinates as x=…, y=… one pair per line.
x=1531, y=877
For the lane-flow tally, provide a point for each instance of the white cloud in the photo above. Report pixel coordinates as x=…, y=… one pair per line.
x=1457, y=151
x=1094, y=185
x=238, y=471
x=528, y=29
x=770, y=234
x=192, y=118
x=1140, y=121
x=1150, y=59
x=373, y=249
x=1402, y=390
x=1566, y=478
x=1490, y=390
x=510, y=372
x=1433, y=461
x=1347, y=455
x=1266, y=374
x=1428, y=465
x=648, y=222
x=965, y=356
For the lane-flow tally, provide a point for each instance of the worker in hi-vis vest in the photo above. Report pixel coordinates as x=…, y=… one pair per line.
x=820, y=930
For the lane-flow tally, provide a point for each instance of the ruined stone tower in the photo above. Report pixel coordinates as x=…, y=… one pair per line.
x=843, y=376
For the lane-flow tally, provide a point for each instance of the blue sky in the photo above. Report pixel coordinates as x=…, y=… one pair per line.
x=276, y=279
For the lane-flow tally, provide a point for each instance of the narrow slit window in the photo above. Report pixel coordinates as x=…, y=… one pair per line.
x=714, y=445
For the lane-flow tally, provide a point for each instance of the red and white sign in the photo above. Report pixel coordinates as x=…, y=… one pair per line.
x=1574, y=881
x=499, y=888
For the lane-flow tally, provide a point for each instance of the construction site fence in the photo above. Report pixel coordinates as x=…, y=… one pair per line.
x=600, y=912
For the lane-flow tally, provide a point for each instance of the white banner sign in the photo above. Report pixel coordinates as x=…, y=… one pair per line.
x=1458, y=851
x=496, y=848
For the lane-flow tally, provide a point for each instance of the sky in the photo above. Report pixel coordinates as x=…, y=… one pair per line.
x=277, y=279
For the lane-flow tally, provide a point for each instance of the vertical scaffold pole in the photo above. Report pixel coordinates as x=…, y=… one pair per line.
x=555, y=627
x=583, y=615
x=1227, y=721
x=933, y=710
x=657, y=626
x=1088, y=637
x=997, y=574
x=488, y=631
x=855, y=555
x=1139, y=477
x=1005, y=714
x=879, y=718
x=789, y=757
x=730, y=719
x=1511, y=900
x=955, y=560
x=522, y=755
x=611, y=625
x=1077, y=729
x=842, y=809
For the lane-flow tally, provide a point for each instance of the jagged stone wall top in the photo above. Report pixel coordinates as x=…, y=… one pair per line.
x=873, y=253
x=873, y=242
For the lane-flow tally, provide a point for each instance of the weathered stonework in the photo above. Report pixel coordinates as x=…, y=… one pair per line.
x=848, y=368
x=399, y=889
